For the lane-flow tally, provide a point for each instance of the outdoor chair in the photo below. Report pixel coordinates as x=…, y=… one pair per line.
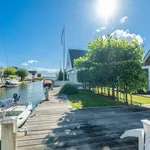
x=143, y=135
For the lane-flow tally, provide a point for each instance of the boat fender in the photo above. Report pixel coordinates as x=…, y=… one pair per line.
x=16, y=97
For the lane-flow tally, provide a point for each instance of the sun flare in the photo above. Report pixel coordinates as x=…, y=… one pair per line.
x=106, y=8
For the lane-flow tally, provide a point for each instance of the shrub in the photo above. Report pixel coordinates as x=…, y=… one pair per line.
x=68, y=89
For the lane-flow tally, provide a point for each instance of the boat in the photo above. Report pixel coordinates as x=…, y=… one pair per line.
x=47, y=82
x=9, y=107
x=20, y=112
x=11, y=83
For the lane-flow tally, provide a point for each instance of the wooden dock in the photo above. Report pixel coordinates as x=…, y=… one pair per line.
x=55, y=126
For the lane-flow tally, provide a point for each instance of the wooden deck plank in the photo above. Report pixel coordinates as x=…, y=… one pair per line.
x=56, y=126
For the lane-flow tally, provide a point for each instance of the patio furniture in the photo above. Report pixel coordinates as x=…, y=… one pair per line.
x=143, y=135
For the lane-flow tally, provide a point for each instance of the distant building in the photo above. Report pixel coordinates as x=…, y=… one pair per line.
x=71, y=71
x=32, y=74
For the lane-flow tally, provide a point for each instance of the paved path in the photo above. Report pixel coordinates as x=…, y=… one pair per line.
x=58, y=127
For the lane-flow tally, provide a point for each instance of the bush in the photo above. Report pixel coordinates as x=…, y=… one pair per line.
x=68, y=89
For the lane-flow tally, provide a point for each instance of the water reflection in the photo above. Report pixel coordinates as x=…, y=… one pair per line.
x=29, y=92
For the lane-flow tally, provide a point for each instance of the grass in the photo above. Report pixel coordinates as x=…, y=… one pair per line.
x=89, y=99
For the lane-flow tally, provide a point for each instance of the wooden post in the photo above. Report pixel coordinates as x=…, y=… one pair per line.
x=8, y=134
x=47, y=93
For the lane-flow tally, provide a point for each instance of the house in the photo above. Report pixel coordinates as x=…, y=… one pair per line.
x=32, y=74
x=146, y=67
x=70, y=69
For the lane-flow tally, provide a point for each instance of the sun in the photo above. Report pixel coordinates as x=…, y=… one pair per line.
x=106, y=8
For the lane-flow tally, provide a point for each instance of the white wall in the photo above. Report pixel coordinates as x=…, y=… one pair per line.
x=72, y=75
x=148, y=67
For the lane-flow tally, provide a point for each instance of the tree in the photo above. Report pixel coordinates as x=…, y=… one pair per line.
x=112, y=63
x=9, y=71
x=22, y=73
x=60, y=76
x=39, y=75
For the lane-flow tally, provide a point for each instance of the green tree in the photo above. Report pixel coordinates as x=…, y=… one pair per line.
x=60, y=76
x=9, y=71
x=22, y=73
x=112, y=63
x=39, y=75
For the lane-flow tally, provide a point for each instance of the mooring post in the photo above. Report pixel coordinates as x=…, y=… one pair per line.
x=8, y=134
x=47, y=93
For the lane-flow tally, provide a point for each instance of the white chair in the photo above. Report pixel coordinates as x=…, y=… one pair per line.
x=141, y=134
x=146, y=126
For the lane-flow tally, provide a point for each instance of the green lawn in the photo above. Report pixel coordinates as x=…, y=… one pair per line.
x=89, y=99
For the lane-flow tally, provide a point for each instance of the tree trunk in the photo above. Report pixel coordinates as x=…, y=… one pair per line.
x=131, y=99
x=117, y=94
x=104, y=91
x=108, y=91
x=113, y=91
x=101, y=90
x=126, y=96
x=98, y=90
x=120, y=95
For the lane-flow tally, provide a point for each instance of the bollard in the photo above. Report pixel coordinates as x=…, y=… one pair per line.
x=47, y=93
x=8, y=134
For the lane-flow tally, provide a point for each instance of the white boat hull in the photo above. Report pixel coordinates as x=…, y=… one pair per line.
x=21, y=119
x=11, y=86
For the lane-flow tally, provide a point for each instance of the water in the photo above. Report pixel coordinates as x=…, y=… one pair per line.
x=29, y=92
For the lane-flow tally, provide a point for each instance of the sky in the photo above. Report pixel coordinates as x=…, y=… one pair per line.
x=30, y=30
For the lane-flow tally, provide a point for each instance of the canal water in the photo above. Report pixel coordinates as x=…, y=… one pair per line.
x=29, y=92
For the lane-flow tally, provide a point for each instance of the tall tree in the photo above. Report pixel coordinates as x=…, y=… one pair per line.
x=112, y=62
x=22, y=73
x=9, y=71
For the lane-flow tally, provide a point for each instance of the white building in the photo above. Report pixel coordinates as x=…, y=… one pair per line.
x=146, y=67
x=71, y=71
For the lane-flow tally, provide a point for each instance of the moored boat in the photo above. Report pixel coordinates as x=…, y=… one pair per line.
x=11, y=83
x=9, y=107
x=47, y=82
x=20, y=112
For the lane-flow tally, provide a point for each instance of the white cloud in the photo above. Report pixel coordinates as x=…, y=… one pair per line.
x=100, y=29
x=122, y=20
x=32, y=61
x=125, y=35
x=24, y=64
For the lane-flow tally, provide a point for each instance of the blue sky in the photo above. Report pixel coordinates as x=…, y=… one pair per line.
x=31, y=29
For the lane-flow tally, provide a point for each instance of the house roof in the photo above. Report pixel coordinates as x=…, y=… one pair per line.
x=74, y=54
x=33, y=72
x=146, y=59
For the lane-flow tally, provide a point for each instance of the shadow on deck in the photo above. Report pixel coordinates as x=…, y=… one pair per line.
x=57, y=127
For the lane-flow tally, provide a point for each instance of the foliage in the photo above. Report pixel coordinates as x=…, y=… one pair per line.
x=112, y=63
x=22, y=73
x=1, y=72
x=68, y=89
x=12, y=76
x=39, y=75
x=9, y=71
x=60, y=76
